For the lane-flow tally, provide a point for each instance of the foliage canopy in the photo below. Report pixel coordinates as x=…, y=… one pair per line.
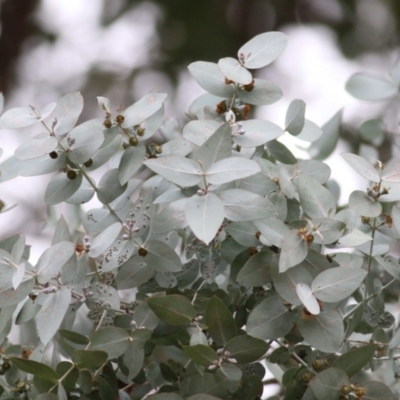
x=214, y=253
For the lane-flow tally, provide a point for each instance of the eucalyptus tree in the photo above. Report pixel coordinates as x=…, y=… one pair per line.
x=214, y=255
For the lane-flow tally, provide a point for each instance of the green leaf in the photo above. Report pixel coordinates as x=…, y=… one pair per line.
x=362, y=166
x=255, y=132
x=67, y=112
x=217, y=147
x=20, y=117
x=35, y=368
x=53, y=259
x=280, y=152
x=143, y=109
x=295, y=120
x=390, y=264
x=377, y=391
x=133, y=273
x=205, y=215
x=364, y=205
x=263, y=93
x=48, y=396
x=308, y=299
x=220, y=322
x=273, y=229
x=165, y=396
x=162, y=257
x=54, y=309
x=40, y=145
x=310, y=132
x=270, y=319
x=74, y=337
x=234, y=71
x=172, y=217
x=327, y=384
x=210, y=78
x=256, y=271
x=109, y=187
x=326, y=144
x=246, y=349
x=242, y=205
x=130, y=162
x=87, y=139
x=179, y=170
x=316, y=200
x=104, y=240
x=370, y=88
x=37, y=166
x=293, y=252
x=200, y=354
x=324, y=331
x=244, y=233
x=352, y=361
x=10, y=297
x=84, y=359
x=60, y=188
x=203, y=397
x=111, y=339
x=172, y=309
x=391, y=171
x=231, y=169
x=199, y=131
x=336, y=284
x=263, y=49
x=285, y=283
x=133, y=359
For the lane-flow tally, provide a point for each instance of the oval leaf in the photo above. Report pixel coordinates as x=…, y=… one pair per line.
x=172, y=309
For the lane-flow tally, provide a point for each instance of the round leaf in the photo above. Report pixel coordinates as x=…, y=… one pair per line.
x=263, y=49
x=172, y=309
x=234, y=71
x=370, y=88
x=111, y=339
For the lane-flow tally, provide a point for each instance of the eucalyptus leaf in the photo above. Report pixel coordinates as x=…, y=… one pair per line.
x=179, y=170
x=336, y=284
x=161, y=257
x=295, y=117
x=172, y=309
x=364, y=205
x=60, y=188
x=204, y=215
x=370, y=88
x=109, y=187
x=111, y=339
x=231, y=169
x=210, y=78
x=293, y=252
x=242, y=205
x=39, y=145
x=234, y=71
x=67, y=112
x=308, y=299
x=143, y=109
x=263, y=49
x=391, y=172
x=256, y=271
x=255, y=132
x=362, y=166
x=54, y=309
x=270, y=319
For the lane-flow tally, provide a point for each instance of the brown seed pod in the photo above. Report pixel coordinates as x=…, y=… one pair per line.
x=5, y=366
x=120, y=119
x=228, y=81
x=107, y=123
x=246, y=111
x=360, y=392
x=158, y=149
x=88, y=163
x=71, y=174
x=53, y=154
x=221, y=107
x=306, y=377
x=142, y=252
x=133, y=141
x=140, y=131
x=252, y=251
x=365, y=220
x=346, y=389
x=249, y=87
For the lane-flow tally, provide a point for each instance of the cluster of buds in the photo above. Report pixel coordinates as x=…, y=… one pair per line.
x=129, y=226
x=86, y=243
x=224, y=356
x=358, y=391
x=375, y=192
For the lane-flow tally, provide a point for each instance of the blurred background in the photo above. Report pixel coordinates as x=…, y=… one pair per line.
x=122, y=49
